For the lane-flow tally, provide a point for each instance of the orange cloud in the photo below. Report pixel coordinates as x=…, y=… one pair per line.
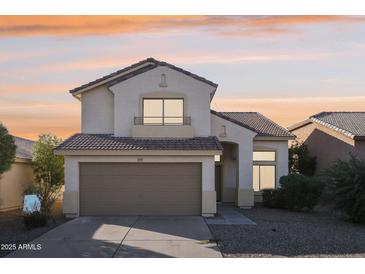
x=113, y=60
x=288, y=111
x=35, y=88
x=29, y=119
x=102, y=25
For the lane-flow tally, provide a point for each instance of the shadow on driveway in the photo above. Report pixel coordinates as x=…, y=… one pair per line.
x=127, y=236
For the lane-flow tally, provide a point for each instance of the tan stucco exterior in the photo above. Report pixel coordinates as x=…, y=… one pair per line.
x=162, y=131
x=97, y=111
x=13, y=183
x=328, y=145
x=241, y=183
x=110, y=108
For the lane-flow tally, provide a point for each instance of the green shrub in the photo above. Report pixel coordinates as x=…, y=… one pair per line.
x=35, y=219
x=7, y=149
x=297, y=193
x=48, y=171
x=346, y=187
x=271, y=198
x=300, y=160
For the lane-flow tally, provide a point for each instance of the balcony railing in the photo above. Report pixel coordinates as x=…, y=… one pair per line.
x=162, y=121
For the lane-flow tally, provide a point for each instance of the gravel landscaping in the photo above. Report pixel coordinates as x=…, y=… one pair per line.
x=282, y=233
x=12, y=230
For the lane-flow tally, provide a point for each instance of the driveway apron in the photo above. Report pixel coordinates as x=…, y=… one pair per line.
x=126, y=236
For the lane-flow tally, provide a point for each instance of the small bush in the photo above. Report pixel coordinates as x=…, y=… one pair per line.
x=297, y=193
x=271, y=199
x=346, y=187
x=35, y=219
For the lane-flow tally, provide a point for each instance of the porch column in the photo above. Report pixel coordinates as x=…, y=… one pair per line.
x=245, y=193
x=71, y=193
x=209, y=202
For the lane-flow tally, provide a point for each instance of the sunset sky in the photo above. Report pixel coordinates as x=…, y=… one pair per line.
x=286, y=67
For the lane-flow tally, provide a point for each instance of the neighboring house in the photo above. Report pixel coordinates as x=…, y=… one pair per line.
x=20, y=176
x=332, y=135
x=151, y=145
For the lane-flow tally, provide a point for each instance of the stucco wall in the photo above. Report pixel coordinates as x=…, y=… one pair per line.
x=281, y=148
x=244, y=138
x=128, y=97
x=71, y=194
x=13, y=183
x=97, y=111
x=328, y=145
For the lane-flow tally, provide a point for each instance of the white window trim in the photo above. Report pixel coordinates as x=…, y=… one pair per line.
x=266, y=163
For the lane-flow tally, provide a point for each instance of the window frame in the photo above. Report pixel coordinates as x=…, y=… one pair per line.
x=265, y=163
x=163, y=112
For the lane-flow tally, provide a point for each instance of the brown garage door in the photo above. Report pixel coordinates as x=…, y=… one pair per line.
x=140, y=188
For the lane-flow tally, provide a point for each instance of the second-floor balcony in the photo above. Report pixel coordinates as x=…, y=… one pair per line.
x=163, y=120
x=162, y=126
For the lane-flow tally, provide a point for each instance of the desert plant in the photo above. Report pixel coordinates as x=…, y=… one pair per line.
x=345, y=187
x=300, y=160
x=48, y=171
x=297, y=193
x=7, y=149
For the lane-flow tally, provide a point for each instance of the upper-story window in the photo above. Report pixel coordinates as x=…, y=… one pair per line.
x=161, y=111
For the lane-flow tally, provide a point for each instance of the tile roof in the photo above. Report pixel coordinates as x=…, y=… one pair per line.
x=23, y=148
x=351, y=124
x=82, y=141
x=256, y=122
x=149, y=63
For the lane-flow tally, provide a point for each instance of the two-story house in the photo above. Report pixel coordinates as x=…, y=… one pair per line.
x=151, y=145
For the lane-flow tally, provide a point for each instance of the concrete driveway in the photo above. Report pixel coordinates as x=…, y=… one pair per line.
x=126, y=237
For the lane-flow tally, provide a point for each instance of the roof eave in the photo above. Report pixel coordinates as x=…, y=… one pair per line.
x=149, y=61
x=145, y=152
x=337, y=129
x=274, y=138
x=299, y=124
x=79, y=90
x=232, y=120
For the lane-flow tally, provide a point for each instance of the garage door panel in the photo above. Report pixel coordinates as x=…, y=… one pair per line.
x=151, y=183
x=155, y=197
x=112, y=209
x=133, y=169
x=140, y=188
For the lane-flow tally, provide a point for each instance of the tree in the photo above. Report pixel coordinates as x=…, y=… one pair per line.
x=48, y=171
x=7, y=149
x=300, y=160
x=346, y=187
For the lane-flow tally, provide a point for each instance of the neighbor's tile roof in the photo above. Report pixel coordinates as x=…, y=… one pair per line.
x=149, y=63
x=351, y=124
x=23, y=148
x=82, y=141
x=256, y=122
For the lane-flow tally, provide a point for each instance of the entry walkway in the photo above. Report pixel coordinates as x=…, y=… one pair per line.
x=228, y=214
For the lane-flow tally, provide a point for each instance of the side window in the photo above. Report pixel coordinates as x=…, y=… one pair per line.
x=264, y=170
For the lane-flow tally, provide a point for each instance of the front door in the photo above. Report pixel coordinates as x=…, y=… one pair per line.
x=218, y=182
